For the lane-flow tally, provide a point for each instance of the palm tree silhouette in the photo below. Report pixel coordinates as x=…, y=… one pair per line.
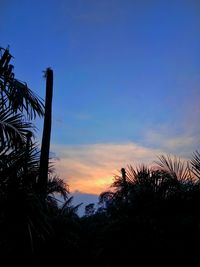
x=18, y=103
x=25, y=221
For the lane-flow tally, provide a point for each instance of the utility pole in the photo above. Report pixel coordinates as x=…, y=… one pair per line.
x=44, y=156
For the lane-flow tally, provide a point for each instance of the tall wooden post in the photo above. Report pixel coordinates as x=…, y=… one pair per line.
x=44, y=156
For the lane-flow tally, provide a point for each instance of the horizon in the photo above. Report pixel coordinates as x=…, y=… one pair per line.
x=126, y=80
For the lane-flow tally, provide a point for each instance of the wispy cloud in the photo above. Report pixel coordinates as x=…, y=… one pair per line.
x=90, y=168
x=98, y=11
x=181, y=144
x=83, y=116
x=180, y=135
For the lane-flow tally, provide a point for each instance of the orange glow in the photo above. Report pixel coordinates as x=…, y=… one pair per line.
x=97, y=186
x=91, y=168
x=88, y=179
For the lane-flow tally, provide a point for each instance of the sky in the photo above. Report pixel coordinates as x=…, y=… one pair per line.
x=126, y=80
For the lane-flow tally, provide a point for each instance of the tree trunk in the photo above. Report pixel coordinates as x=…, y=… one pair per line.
x=125, y=192
x=44, y=156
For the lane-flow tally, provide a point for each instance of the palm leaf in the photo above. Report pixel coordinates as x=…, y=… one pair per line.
x=195, y=162
x=57, y=185
x=24, y=99
x=19, y=167
x=178, y=169
x=19, y=97
x=13, y=128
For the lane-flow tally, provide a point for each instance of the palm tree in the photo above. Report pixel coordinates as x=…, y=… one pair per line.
x=138, y=188
x=18, y=104
x=25, y=219
x=15, y=93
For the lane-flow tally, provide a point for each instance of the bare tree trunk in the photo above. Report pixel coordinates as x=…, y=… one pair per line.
x=44, y=157
x=125, y=193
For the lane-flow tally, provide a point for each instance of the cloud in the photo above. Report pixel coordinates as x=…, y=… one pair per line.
x=183, y=144
x=95, y=11
x=90, y=168
x=83, y=116
x=59, y=121
x=180, y=134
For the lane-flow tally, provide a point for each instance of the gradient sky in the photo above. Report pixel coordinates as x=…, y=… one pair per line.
x=127, y=78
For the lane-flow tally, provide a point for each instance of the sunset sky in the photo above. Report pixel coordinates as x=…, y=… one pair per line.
x=127, y=79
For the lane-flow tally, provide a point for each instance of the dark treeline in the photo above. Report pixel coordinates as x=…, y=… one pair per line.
x=150, y=214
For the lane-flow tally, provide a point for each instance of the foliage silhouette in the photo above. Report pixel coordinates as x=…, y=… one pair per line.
x=151, y=210
x=25, y=218
x=18, y=103
x=149, y=214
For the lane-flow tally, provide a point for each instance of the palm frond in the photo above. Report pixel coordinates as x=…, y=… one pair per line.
x=105, y=198
x=57, y=185
x=18, y=95
x=19, y=167
x=131, y=174
x=178, y=169
x=23, y=98
x=68, y=209
x=195, y=162
x=13, y=128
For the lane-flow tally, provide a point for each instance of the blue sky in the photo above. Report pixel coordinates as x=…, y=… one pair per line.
x=127, y=77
